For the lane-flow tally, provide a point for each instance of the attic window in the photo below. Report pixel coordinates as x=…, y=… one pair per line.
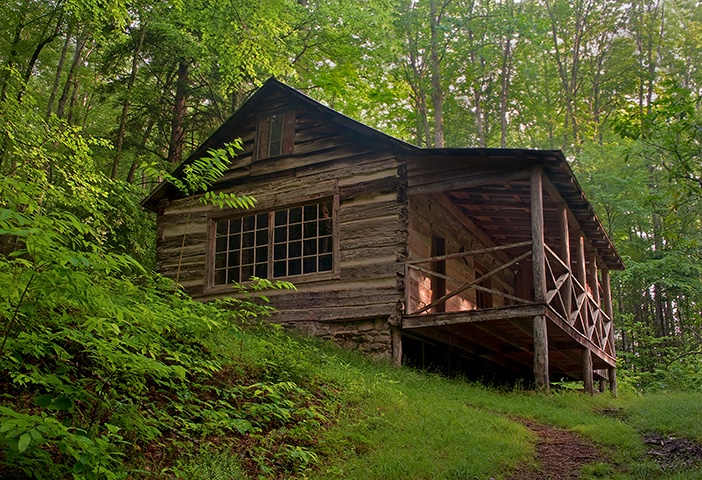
x=275, y=134
x=288, y=242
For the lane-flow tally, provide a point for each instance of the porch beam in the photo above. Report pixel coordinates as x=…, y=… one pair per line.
x=471, y=316
x=541, y=376
x=467, y=182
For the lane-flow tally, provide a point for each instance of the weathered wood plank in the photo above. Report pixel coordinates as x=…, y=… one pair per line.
x=335, y=314
x=457, y=318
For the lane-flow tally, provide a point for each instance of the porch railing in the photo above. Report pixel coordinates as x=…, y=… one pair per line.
x=567, y=297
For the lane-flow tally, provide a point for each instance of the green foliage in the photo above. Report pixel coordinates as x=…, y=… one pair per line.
x=199, y=175
x=100, y=359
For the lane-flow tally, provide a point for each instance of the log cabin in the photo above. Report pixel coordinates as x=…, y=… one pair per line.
x=480, y=261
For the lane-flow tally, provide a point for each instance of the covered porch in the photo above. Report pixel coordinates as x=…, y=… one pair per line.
x=531, y=291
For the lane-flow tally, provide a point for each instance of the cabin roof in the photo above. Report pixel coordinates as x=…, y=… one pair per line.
x=553, y=162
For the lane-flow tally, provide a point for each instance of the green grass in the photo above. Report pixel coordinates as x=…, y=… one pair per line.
x=387, y=423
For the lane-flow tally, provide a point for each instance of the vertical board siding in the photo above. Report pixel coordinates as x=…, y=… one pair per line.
x=428, y=218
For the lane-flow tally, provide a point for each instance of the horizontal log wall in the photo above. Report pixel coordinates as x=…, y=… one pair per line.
x=327, y=161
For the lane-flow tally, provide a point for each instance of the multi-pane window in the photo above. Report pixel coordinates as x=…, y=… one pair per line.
x=283, y=243
x=241, y=249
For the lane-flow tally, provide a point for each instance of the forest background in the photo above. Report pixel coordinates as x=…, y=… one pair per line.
x=94, y=93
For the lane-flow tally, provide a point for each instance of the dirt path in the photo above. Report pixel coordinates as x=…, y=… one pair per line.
x=560, y=454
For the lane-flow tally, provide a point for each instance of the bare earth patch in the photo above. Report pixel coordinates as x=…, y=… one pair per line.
x=560, y=454
x=671, y=453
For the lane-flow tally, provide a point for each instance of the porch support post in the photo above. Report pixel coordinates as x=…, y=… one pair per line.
x=582, y=278
x=396, y=339
x=588, y=383
x=565, y=256
x=582, y=268
x=607, y=294
x=593, y=280
x=541, y=377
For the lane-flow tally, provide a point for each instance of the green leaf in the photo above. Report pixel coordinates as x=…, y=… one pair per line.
x=24, y=442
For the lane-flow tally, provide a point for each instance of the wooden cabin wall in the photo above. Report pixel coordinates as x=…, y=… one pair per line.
x=429, y=218
x=352, y=308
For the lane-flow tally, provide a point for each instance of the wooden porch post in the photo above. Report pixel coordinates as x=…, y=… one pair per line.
x=541, y=377
x=565, y=256
x=582, y=269
x=588, y=382
x=607, y=294
x=396, y=339
x=582, y=278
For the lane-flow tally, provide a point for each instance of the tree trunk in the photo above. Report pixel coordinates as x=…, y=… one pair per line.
x=125, y=104
x=175, y=147
x=72, y=74
x=505, y=79
x=59, y=71
x=437, y=94
x=135, y=163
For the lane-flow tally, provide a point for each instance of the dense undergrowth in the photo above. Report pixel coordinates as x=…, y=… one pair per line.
x=108, y=371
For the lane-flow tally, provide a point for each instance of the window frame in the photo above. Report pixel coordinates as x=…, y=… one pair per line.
x=262, y=140
x=211, y=286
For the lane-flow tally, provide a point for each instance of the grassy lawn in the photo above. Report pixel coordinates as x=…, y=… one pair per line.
x=387, y=423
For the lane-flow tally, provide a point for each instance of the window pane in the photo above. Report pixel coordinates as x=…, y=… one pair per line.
x=246, y=273
x=222, y=227
x=262, y=270
x=221, y=245
x=281, y=234
x=325, y=263
x=247, y=256
x=233, y=259
x=262, y=221
x=262, y=254
x=325, y=227
x=220, y=260
x=295, y=266
x=279, y=251
x=325, y=245
x=276, y=148
x=262, y=237
x=310, y=229
x=279, y=269
x=275, y=135
x=249, y=223
x=295, y=232
x=311, y=212
x=234, y=275
x=220, y=277
x=235, y=225
x=296, y=215
x=310, y=264
x=294, y=249
x=234, y=242
x=310, y=247
x=281, y=217
x=248, y=239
